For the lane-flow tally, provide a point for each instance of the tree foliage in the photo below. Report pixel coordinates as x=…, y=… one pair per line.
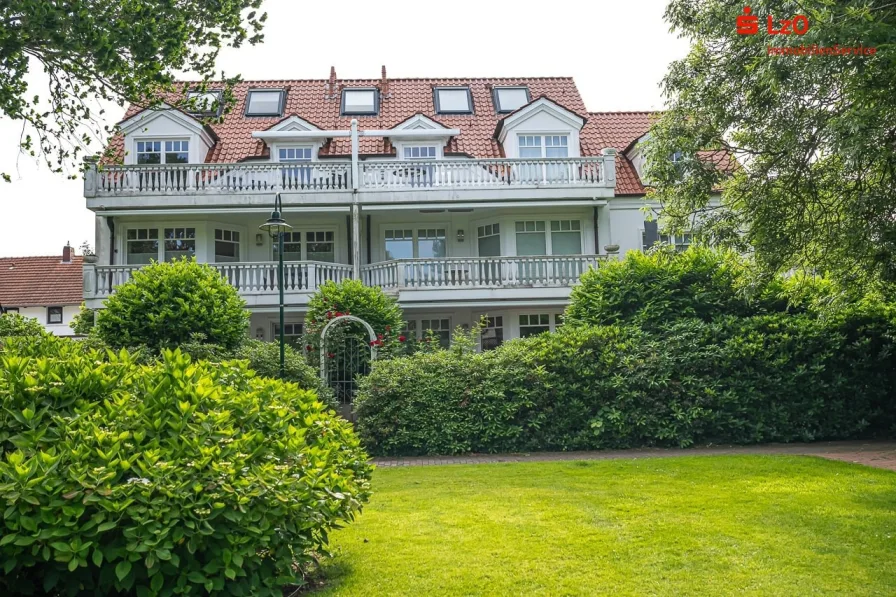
x=107, y=50
x=815, y=135
x=166, y=304
x=13, y=324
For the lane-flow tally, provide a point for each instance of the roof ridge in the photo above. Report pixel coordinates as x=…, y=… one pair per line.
x=37, y=257
x=627, y=112
x=377, y=80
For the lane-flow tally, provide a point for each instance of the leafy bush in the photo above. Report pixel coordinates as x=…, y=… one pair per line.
x=776, y=377
x=164, y=304
x=13, y=324
x=178, y=477
x=663, y=285
x=84, y=320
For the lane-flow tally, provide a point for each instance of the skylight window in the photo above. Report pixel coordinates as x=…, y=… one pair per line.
x=264, y=102
x=453, y=100
x=508, y=99
x=360, y=102
x=204, y=102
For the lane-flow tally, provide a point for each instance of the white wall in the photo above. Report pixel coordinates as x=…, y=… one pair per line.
x=542, y=123
x=58, y=329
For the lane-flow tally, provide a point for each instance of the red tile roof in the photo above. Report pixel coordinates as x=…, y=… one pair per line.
x=40, y=281
x=310, y=100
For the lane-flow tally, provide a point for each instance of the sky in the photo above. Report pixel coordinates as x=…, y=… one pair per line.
x=617, y=52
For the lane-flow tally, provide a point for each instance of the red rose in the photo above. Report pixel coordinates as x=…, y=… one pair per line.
x=331, y=355
x=338, y=314
x=329, y=315
x=401, y=338
x=388, y=328
x=379, y=336
x=373, y=342
x=379, y=342
x=308, y=347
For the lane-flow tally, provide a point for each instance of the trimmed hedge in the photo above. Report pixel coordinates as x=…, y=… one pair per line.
x=775, y=377
x=178, y=477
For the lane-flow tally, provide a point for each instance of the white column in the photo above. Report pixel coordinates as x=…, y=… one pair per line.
x=609, y=166
x=102, y=244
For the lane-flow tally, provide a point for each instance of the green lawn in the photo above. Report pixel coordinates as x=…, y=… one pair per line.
x=727, y=525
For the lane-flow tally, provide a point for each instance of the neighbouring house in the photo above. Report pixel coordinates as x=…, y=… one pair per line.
x=462, y=197
x=49, y=289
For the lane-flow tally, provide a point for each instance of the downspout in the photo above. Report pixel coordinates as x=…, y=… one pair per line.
x=596, y=233
x=356, y=205
x=111, y=226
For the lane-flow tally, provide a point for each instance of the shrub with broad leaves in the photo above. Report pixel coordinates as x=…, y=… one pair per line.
x=178, y=477
x=164, y=304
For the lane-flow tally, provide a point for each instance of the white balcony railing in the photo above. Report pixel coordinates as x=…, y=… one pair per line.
x=461, y=174
x=479, y=272
x=248, y=278
x=198, y=179
x=322, y=177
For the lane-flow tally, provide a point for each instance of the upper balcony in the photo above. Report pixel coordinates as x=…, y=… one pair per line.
x=334, y=183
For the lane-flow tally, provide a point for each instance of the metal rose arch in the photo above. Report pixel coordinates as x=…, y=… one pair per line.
x=339, y=365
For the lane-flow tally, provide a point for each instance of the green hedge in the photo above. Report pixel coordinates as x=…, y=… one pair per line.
x=177, y=477
x=776, y=377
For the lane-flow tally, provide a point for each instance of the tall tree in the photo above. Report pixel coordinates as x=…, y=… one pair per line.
x=814, y=131
x=122, y=51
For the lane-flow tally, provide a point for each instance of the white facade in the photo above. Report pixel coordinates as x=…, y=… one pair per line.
x=43, y=316
x=453, y=238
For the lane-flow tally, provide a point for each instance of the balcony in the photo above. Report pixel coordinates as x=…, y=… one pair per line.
x=382, y=181
x=411, y=279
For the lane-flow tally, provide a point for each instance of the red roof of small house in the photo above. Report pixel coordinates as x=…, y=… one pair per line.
x=313, y=101
x=40, y=281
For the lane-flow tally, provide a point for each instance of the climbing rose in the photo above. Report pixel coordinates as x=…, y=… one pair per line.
x=331, y=355
x=388, y=328
x=308, y=347
x=401, y=338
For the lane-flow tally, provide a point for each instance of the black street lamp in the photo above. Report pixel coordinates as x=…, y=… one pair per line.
x=276, y=226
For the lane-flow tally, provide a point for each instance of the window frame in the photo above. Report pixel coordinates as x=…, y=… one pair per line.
x=50, y=311
x=304, y=147
x=410, y=146
x=437, y=102
x=503, y=327
x=547, y=323
x=303, y=242
x=543, y=145
x=280, y=105
x=674, y=240
x=10, y=310
x=239, y=244
x=287, y=326
x=415, y=236
x=549, y=241
x=496, y=97
x=162, y=140
x=125, y=241
x=376, y=102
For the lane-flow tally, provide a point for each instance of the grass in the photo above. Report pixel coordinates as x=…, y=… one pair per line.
x=745, y=525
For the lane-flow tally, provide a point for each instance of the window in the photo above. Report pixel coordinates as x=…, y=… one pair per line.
x=508, y=99
x=10, y=310
x=320, y=246
x=531, y=325
x=295, y=154
x=204, y=103
x=360, y=101
x=317, y=245
x=530, y=238
x=558, y=320
x=151, y=152
x=676, y=157
x=292, y=247
x=292, y=333
x=142, y=246
x=264, y=102
x=399, y=244
x=54, y=314
x=544, y=146
x=179, y=242
x=420, y=152
x=431, y=242
x=489, y=240
x=681, y=242
x=441, y=329
x=453, y=100
x=492, y=335
x=566, y=237
x=227, y=246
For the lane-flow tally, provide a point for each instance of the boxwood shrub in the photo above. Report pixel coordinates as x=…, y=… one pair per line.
x=177, y=477
x=776, y=377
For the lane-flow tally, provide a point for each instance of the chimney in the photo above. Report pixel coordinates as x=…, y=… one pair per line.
x=331, y=88
x=384, y=83
x=67, y=253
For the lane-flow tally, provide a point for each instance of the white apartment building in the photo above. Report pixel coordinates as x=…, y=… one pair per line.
x=460, y=197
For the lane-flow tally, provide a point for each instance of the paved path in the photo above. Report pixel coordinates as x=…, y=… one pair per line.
x=877, y=454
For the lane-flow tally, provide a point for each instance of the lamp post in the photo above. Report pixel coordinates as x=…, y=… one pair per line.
x=276, y=226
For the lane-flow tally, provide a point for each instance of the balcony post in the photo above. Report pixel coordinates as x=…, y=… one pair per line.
x=90, y=176
x=609, y=166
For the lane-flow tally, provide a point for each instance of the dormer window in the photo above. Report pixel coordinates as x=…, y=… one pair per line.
x=453, y=100
x=360, y=102
x=265, y=102
x=204, y=103
x=420, y=152
x=508, y=99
